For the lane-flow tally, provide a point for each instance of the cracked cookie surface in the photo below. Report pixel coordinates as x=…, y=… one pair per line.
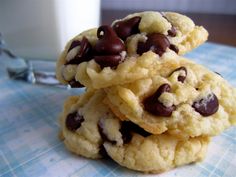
x=124, y=52
x=184, y=99
x=79, y=121
x=91, y=130
x=136, y=149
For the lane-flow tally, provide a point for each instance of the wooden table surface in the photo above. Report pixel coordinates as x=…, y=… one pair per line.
x=222, y=28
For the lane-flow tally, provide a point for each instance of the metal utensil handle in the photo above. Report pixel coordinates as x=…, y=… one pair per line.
x=27, y=72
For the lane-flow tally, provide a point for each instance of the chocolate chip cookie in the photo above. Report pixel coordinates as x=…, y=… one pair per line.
x=184, y=99
x=134, y=148
x=79, y=121
x=127, y=50
x=90, y=129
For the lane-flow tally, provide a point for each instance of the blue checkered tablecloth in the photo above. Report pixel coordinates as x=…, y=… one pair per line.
x=29, y=145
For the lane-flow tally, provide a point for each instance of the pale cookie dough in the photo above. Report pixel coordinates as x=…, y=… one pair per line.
x=132, y=147
x=79, y=123
x=134, y=68
x=66, y=73
x=186, y=37
x=102, y=57
x=184, y=99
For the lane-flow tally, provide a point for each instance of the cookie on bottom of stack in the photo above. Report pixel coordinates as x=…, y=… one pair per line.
x=89, y=128
x=79, y=124
x=145, y=152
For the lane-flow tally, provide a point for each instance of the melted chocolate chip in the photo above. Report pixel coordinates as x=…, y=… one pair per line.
x=174, y=48
x=108, y=47
x=180, y=77
x=75, y=84
x=109, y=43
x=126, y=28
x=156, y=42
x=84, y=54
x=152, y=105
x=73, y=121
x=172, y=32
x=74, y=44
x=159, y=109
x=207, y=106
x=103, y=135
x=109, y=60
x=127, y=128
x=126, y=135
x=163, y=88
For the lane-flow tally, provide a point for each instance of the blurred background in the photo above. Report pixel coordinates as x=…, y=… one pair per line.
x=217, y=16
x=40, y=28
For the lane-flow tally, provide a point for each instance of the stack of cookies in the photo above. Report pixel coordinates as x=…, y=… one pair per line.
x=145, y=106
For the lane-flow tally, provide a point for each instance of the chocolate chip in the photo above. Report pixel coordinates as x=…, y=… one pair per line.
x=207, y=106
x=180, y=77
x=159, y=109
x=103, y=135
x=127, y=128
x=109, y=43
x=172, y=32
x=73, y=121
x=163, y=88
x=174, y=48
x=126, y=135
x=152, y=105
x=141, y=48
x=75, y=84
x=109, y=60
x=127, y=27
x=84, y=54
x=74, y=44
x=155, y=42
x=108, y=47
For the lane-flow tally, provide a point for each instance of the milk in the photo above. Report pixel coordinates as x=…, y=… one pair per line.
x=39, y=29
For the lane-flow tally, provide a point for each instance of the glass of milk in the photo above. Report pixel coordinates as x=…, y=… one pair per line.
x=39, y=29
